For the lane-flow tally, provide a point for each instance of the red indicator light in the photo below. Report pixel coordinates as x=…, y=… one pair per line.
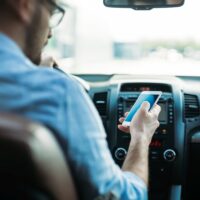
x=156, y=144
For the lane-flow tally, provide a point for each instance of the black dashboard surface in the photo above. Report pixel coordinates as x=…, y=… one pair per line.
x=175, y=146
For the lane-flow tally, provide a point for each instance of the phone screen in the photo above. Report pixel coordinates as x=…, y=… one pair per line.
x=150, y=97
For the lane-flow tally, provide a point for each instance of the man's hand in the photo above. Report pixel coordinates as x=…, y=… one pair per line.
x=143, y=122
x=48, y=61
x=142, y=128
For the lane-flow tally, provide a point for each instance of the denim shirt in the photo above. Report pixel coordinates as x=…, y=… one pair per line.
x=60, y=103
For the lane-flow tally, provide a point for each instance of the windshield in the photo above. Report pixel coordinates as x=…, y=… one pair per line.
x=93, y=39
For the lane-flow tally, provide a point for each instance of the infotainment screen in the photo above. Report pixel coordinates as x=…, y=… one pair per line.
x=163, y=116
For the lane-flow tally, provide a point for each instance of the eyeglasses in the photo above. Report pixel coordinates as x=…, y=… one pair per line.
x=57, y=14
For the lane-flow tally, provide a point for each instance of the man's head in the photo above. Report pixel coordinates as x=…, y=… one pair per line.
x=28, y=23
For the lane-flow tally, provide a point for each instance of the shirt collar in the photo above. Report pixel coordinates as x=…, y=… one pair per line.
x=10, y=46
x=7, y=44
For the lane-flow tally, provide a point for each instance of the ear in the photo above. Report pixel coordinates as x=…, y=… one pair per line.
x=23, y=9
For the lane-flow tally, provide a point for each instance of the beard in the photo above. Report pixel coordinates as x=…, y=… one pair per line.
x=35, y=38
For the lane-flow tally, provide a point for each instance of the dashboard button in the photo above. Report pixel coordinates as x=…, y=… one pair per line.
x=164, y=131
x=169, y=155
x=120, y=153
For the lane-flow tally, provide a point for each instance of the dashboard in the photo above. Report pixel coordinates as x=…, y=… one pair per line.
x=175, y=147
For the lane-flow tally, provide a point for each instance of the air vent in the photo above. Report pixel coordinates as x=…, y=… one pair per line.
x=100, y=101
x=191, y=106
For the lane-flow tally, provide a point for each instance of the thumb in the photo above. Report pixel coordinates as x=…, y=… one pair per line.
x=145, y=106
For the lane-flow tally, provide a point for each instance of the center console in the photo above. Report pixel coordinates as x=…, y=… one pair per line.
x=162, y=153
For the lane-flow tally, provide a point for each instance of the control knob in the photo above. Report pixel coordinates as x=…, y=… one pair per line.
x=120, y=153
x=169, y=155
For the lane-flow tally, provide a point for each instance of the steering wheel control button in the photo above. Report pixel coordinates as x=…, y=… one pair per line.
x=120, y=153
x=169, y=155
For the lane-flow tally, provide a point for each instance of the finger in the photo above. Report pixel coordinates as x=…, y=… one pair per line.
x=121, y=119
x=126, y=114
x=124, y=129
x=156, y=110
x=144, y=109
x=145, y=106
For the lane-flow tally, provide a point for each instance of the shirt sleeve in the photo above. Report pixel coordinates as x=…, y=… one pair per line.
x=91, y=162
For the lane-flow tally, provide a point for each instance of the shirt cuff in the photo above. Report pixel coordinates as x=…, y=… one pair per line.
x=136, y=180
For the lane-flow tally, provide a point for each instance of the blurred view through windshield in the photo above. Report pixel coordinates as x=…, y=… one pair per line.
x=93, y=39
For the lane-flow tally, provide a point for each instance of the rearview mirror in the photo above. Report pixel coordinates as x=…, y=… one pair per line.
x=143, y=4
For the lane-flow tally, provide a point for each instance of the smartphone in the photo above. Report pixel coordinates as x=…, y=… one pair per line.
x=150, y=96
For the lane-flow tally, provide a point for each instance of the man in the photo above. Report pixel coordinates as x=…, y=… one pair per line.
x=58, y=102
